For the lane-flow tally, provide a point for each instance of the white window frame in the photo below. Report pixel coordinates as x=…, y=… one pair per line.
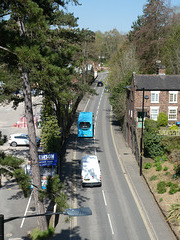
x=174, y=96
x=156, y=93
x=174, y=108
x=151, y=110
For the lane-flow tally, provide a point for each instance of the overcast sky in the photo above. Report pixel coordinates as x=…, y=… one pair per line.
x=105, y=15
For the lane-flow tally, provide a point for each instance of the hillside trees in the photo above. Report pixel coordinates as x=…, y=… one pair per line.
x=171, y=50
x=122, y=64
x=35, y=55
x=148, y=33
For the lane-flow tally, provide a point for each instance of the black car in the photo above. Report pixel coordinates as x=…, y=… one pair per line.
x=100, y=84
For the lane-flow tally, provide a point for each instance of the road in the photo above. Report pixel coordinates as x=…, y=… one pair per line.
x=116, y=211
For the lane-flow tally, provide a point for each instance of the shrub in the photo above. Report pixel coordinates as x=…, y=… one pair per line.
x=151, y=125
x=173, y=189
x=152, y=145
x=162, y=119
x=42, y=235
x=174, y=212
x=51, y=134
x=147, y=165
x=161, y=158
x=165, y=168
x=173, y=127
x=158, y=167
x=161, y=199
x=161, y=187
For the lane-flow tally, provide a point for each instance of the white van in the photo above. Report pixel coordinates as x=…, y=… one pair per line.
x=90, y=171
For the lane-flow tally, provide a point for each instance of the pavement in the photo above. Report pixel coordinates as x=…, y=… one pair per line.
x=148, y=208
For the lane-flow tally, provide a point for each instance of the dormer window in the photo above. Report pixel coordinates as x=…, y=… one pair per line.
x=155, y=96
x=173, y=96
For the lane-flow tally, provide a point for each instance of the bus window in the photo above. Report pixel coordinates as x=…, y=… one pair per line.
x=85, y=124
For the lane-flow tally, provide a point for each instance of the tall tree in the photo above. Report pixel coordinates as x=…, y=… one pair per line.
x=27, y=40
x=148, y=33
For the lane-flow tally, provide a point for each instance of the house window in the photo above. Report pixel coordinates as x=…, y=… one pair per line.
x=154, y=112
x=172, y=113
x=155, y=97
x=173, y=96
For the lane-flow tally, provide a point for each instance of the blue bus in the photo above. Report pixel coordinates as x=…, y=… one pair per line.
x=85, y=125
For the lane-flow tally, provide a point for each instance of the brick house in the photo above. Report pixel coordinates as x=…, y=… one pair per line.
x=161, y=94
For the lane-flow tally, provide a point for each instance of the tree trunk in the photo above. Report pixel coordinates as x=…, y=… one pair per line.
x=42, y=223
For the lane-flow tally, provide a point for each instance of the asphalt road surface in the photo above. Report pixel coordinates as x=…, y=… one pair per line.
x=115, y=210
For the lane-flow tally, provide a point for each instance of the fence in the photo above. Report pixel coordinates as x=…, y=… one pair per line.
x=168, y=132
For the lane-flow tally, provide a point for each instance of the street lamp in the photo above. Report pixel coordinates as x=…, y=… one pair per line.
x=141, y=141
x=72, y=212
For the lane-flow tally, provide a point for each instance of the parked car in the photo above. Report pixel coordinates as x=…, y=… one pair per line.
x=90, y=171
x=21, y=139
x=100, y=84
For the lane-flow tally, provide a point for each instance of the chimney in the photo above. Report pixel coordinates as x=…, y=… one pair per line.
x=160, y=69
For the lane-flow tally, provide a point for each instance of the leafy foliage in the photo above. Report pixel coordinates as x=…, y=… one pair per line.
x=50, y=134
x=174, y=212
x=151, y=125
x=173, y=127
x=148, y=33
x=11, y=167
x=152, y=145
x=161, y=187
x=147, y=165
x=36, y=234
x=162, y=119
x=54, y=191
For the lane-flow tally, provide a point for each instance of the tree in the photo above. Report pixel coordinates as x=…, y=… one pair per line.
x=148, y=33
x=122, y=64
x=162, y=119
x=26, y=43
x=171, y=50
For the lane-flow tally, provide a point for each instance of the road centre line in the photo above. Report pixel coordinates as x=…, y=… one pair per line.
x=110, y=224
x=135, y=195
x=26, y=209
x=104, y=197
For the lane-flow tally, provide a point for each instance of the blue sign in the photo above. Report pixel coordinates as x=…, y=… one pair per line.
x=47, y=159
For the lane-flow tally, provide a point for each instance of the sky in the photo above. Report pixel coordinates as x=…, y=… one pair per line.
x=105, y=15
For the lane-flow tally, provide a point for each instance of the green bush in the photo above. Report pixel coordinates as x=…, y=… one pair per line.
x=50, y=134
x=147, y=165
x=161, y=158
x=42, y=235
x=173, y=189
x=158, y=167
x=151, y=125
x=173, y=127
x=162, y=119
x=165, y=168
x=152, y=145
x=161, y=187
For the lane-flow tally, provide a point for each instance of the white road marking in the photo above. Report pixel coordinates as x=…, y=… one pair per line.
x=137, y=199
x=110, y=224
x=104, y=198
x=26, y=210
